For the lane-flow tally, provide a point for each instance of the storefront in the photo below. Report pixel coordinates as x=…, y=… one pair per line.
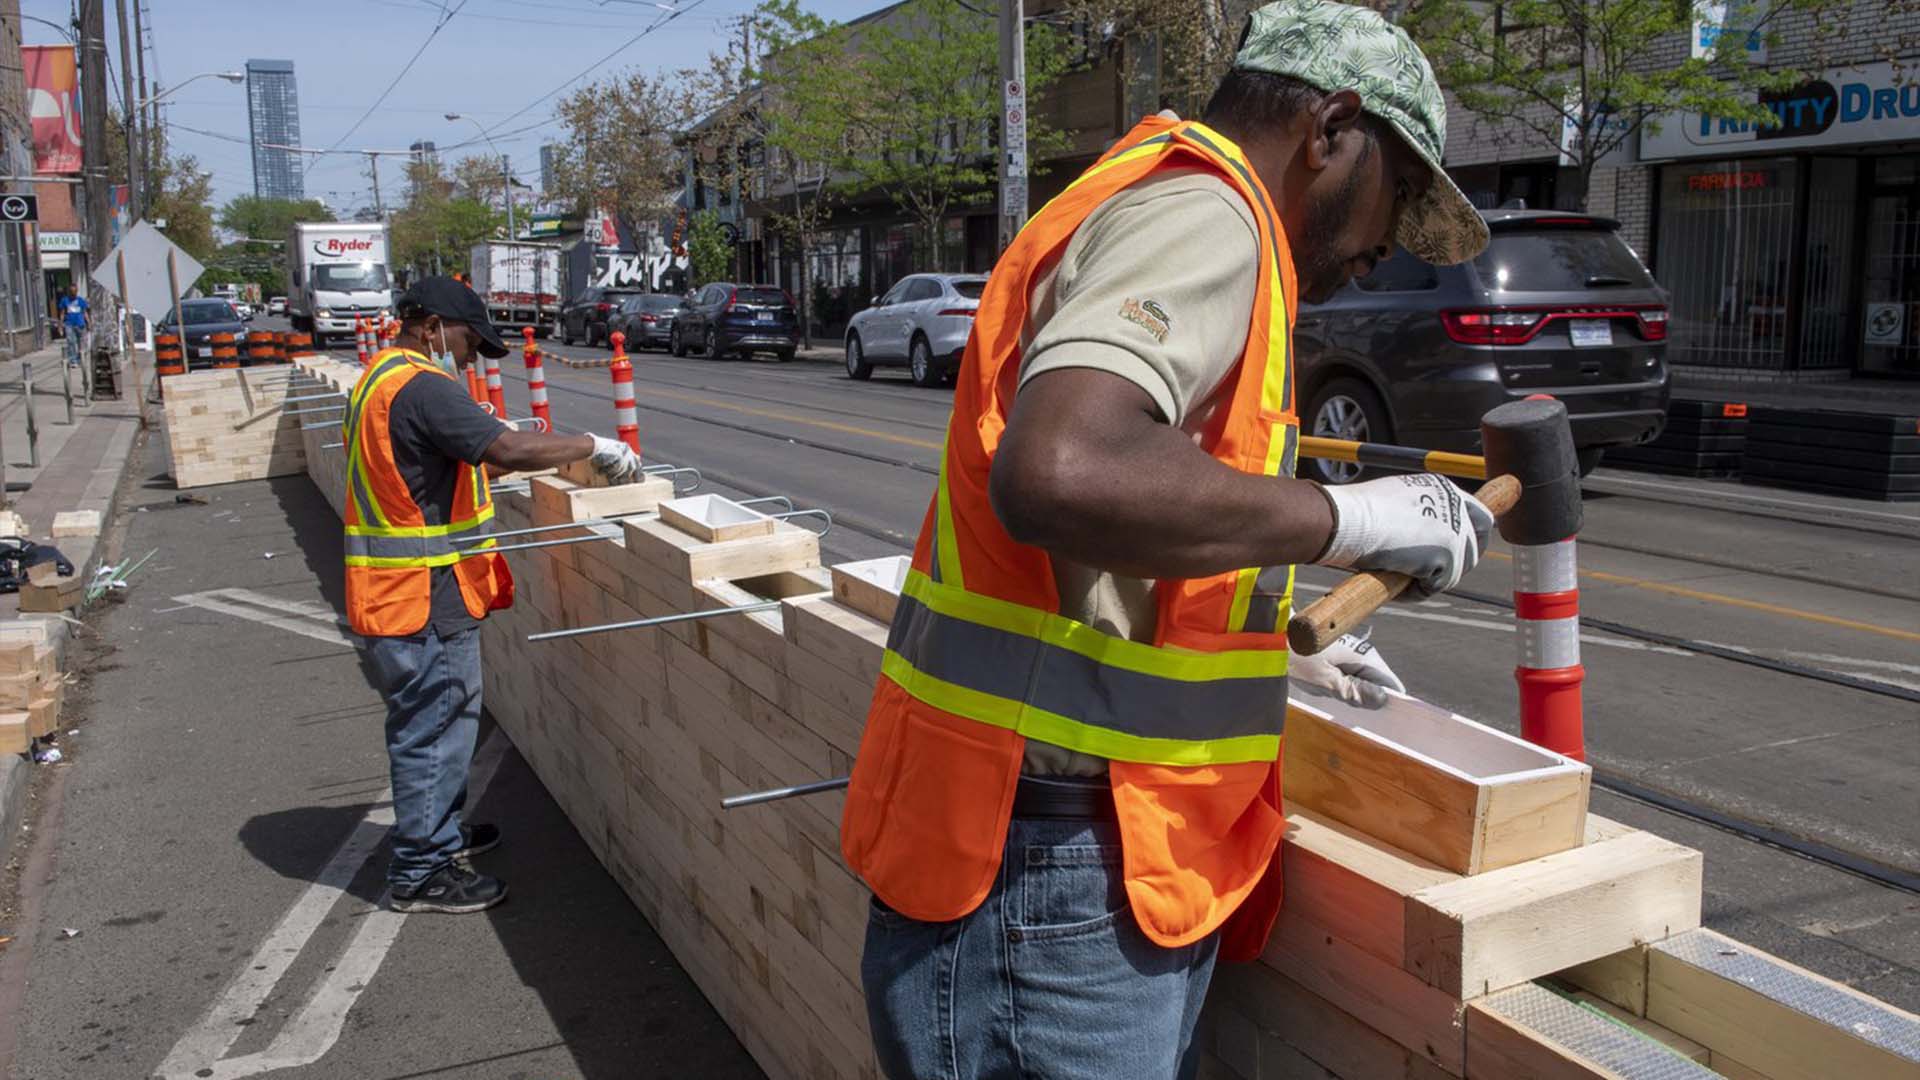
x=1795, y=248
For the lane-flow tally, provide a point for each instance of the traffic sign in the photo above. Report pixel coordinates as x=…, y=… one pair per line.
x=20, y=209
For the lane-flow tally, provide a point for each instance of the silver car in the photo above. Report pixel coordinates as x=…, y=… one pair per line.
x=922, y=322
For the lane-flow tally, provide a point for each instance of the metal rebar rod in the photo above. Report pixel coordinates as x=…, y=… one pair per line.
x=581, y=524
x=308, y=412
x=313, y=397
x=822, y=514
x=530, y=545
x=734, y=802
x=334, y=423
x=662, y=620
x=332, y=445
x=675, y=470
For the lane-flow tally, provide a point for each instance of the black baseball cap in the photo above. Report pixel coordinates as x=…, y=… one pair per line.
x=453, y=302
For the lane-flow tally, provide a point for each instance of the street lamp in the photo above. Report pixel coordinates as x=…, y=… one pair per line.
x=506, y=173
x=134, y=191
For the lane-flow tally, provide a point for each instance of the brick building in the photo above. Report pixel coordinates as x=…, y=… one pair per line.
x=1791, y=253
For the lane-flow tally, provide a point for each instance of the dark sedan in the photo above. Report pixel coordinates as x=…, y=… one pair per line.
x=205, y=318
x=647, y=321
x=724, y=319
x=1415, y=354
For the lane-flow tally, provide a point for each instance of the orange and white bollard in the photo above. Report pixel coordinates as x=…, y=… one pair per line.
x=536, y=383
x=1546, y=606
x=476, y=389
x=389, y=333
x=626, y=418
x=496, y=392
x=362, y=342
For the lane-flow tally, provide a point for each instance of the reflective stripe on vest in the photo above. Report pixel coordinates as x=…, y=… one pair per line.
x=1051, y=678
x=371, y=539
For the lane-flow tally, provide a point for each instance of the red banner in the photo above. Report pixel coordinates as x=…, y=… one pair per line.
x=53, y=102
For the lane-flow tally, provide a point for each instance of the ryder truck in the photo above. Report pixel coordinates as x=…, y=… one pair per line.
x=337, y=273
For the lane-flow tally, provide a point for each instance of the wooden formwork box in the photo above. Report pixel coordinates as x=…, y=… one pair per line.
x=1384, y=963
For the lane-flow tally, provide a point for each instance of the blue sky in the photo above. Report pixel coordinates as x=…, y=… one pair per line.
x=491, y=60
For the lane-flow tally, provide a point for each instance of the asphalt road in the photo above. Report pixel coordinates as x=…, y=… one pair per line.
x=229, y=747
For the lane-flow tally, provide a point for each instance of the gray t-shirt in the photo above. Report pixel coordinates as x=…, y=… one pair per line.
x=1156, y=286
x=437, y=430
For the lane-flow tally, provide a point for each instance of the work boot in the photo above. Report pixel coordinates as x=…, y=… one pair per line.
x=477, y=840
x=455, y=889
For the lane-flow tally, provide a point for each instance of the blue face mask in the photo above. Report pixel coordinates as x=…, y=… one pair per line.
x=444, y=357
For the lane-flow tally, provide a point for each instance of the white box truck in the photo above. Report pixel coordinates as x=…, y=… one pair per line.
x=520, y=283
x=337, y=273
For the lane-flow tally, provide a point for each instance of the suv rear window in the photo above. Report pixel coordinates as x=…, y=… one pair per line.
x=750, y=295
x=972, y=290
x=1559, y=260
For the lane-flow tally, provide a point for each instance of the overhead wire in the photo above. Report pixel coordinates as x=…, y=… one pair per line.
x=440, y=24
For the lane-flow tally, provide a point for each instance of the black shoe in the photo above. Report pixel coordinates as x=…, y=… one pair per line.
x=454, y=888
x=477, y=840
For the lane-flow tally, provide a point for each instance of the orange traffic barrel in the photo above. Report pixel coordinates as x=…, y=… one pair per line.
x=298, y=345
x=167, y=357
x=263, y=347
x=226, y=351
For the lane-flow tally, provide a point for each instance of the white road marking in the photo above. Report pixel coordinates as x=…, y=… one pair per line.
x=295, y=616
x=309, y=1034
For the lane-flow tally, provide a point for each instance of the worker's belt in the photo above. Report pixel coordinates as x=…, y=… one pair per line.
x=1063, y=799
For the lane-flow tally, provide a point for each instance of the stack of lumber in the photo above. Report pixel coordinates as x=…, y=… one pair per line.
x=31, y=691
x=1865, y=455
x=1702, y=438
x=228, y=424
x=1449, y=899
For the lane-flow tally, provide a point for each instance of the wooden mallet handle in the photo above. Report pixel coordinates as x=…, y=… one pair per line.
x=1349, y=603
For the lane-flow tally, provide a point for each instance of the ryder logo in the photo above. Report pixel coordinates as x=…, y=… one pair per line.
x=337, y=246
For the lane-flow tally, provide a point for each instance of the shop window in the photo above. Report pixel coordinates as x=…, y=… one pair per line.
x=1889, y=327
x=1726, y=238
x=1827, y=309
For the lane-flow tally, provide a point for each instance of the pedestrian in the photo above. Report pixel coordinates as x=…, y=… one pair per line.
x=75, y=318
x=1067, y=796
x=420, y=576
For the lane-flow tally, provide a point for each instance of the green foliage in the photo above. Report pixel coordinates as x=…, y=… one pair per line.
x=183, y=196
x=437, y=228
x=260, y=218
x=618, y=152
x=1547, y=65
x=708, y=253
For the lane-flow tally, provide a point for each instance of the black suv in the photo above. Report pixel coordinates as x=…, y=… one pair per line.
x=585, y=317
x=1415, y=354
x=724, y=318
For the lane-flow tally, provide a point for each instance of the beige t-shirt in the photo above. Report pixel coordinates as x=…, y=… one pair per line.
x=1156, y=286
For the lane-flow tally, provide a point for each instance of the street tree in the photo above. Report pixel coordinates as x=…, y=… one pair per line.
x=1583, y=77
x=617, y=152
x=1171, y=53
x=257, y=217
x=439, y=224
x=709, y=254
x=923, y=103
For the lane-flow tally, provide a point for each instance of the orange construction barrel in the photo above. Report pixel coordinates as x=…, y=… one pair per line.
x=226, y=350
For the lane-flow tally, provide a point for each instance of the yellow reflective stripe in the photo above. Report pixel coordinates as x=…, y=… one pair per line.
x=379, y=563
x=1242, y=596
x=1049, y=727
x=356, y=471
x=949, y=545
x=949, y=600
x=453, y=529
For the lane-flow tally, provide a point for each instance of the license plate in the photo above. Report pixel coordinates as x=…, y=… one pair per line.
x=205, y=350
x=763, y=316
x=1588, y=332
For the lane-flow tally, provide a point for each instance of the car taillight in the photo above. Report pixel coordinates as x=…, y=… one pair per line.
x=1653, y=323
x=963, y=312
x=1492, y=327
x=603, y=308
x=733, y=295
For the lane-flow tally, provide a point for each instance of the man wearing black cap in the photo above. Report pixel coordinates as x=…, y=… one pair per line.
x=421, y=575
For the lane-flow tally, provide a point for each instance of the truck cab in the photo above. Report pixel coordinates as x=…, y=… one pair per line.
x=337, y=275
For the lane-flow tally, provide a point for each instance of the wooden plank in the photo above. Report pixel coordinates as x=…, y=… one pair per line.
x=1620, y=978
x=788, y=548
x=1524, y=819
x=1354, y=885
x=1502, y=1049
x=1489, y=931
x=1286, y=1015
x=1785, y=1021
x=14, y=735
x=871, y=586
x=1393, y=1002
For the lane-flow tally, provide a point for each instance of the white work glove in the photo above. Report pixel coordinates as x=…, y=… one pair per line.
x=615, y=460
x=1421, y=526
x=1350, y=669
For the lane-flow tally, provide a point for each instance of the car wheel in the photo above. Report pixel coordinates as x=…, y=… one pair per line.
x=566, y=333
x=857, y=366
x=1347, y=409
x=675, y=346
x=781, y=356
x=712, y=350
x=920, y=363
x=1589, y=459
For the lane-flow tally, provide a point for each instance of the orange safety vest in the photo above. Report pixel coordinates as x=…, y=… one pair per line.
x=391, y=547
x=979, y=658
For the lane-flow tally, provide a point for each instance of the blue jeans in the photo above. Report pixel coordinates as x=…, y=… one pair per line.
x=432, y=688
x=1050, y=976
x=74, y=340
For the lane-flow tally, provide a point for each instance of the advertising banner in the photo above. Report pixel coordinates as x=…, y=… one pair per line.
x=53, y=102
x=1843, y=107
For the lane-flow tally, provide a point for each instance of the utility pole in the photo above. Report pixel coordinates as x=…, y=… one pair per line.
x=379, y=208
x=1013, y=120
x=145, y=115
x=93, y=134
x=506, y=176
x=132, y=125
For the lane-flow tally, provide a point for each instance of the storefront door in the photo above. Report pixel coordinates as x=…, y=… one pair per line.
x=1890, y=315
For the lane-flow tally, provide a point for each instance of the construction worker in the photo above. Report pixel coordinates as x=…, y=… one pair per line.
x=1067, y=797
x=420, y=577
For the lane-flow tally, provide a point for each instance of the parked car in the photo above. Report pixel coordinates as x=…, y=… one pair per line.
x=922, y=322
x=741, y=319
x=204, y=317
x=277, y=306
x=646, y=320
x=584, y=318
x=1415, y=354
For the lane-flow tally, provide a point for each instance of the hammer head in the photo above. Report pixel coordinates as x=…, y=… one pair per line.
x=1531, y=440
